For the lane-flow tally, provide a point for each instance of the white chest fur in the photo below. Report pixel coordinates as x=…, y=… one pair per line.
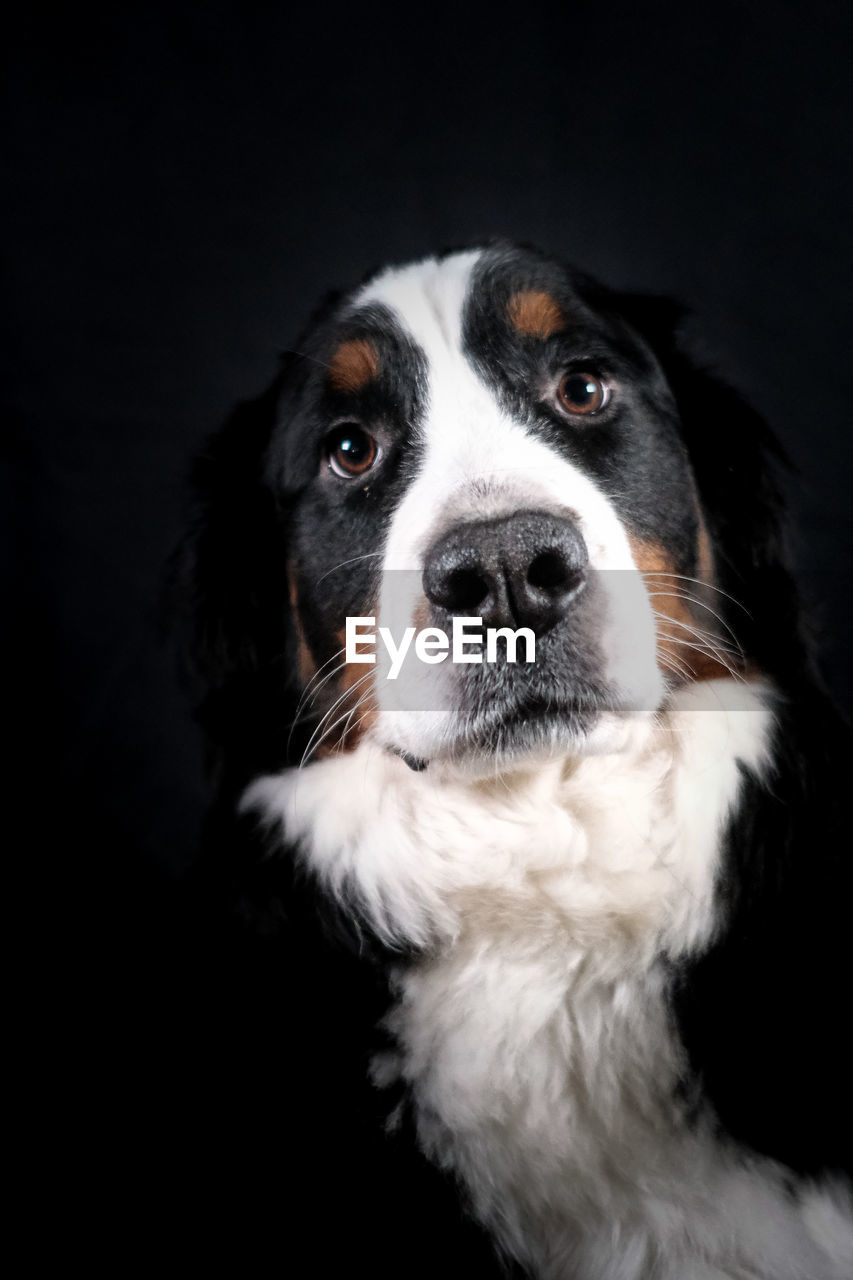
x=534, y=1032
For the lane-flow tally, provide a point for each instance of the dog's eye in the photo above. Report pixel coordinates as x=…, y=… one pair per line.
x=351, y=451
x=582, y=393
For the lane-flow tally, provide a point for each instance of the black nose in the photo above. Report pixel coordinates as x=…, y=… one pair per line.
x=522, y=570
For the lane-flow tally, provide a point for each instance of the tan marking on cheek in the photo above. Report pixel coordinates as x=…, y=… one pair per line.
x=676, y=623
x=305, y=658
x=353, y=365
x=534, y=313
x=353, y=671
x=358, y=708
x=705, y=557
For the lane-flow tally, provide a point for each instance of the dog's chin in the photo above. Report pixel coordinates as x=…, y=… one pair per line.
x=499, y=741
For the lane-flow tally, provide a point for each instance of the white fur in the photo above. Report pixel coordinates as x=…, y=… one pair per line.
x=534, y=1032
x=478, y=462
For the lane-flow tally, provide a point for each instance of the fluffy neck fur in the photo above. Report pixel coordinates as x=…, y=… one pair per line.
x=547, y=908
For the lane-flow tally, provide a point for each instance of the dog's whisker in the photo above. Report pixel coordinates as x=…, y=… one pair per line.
x=709, y=586
x=706, y=650
x=312, y=689
x=688, y=599
x=674, y=665
x=303, y=355
x=370, y=555
x=700, y=633
x=351, y=728
x=362, y=698
x=346, y=693
x=328, y=730
x=322, y=668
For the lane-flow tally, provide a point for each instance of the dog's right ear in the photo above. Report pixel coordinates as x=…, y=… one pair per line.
x=228, y=592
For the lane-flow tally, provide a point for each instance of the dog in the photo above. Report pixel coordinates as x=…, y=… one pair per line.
x=606, y=884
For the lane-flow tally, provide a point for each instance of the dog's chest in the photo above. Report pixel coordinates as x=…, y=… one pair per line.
x=546, y=1082
x=536, y=1040
x=534, y=1031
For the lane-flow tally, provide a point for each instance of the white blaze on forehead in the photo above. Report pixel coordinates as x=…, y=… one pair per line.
x=478, y=462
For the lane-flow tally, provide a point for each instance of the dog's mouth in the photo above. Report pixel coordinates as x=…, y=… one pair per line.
x=496, y=706
x=508, y=732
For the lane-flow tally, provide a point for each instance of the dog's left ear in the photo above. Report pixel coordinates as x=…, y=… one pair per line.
x=228, y=591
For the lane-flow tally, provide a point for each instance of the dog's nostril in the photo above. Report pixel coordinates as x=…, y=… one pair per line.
x=463, y=589
x=518, y=570
x=549, y=572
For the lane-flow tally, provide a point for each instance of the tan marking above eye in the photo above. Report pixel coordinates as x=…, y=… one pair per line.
x=535, y=313
x=353, y=365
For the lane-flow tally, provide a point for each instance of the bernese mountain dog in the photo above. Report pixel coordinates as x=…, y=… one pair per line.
x=602, y=878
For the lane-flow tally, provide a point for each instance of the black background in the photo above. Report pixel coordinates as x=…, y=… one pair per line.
x=184, y=183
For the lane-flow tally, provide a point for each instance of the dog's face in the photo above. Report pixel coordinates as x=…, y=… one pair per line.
x=482, y=435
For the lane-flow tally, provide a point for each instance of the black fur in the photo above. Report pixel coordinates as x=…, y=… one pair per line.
x=762, y=1013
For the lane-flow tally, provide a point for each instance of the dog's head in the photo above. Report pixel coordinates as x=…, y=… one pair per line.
x=484, y=434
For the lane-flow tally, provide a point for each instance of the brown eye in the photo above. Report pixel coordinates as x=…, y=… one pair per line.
x=582, y=393
x=351, y=451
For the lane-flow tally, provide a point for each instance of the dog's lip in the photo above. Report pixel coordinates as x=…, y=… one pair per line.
x=415, y=763
x=523, y=719
x=542, y=707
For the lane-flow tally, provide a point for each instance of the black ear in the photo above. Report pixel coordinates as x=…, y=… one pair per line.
x=740, y=469
x=229, y=587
